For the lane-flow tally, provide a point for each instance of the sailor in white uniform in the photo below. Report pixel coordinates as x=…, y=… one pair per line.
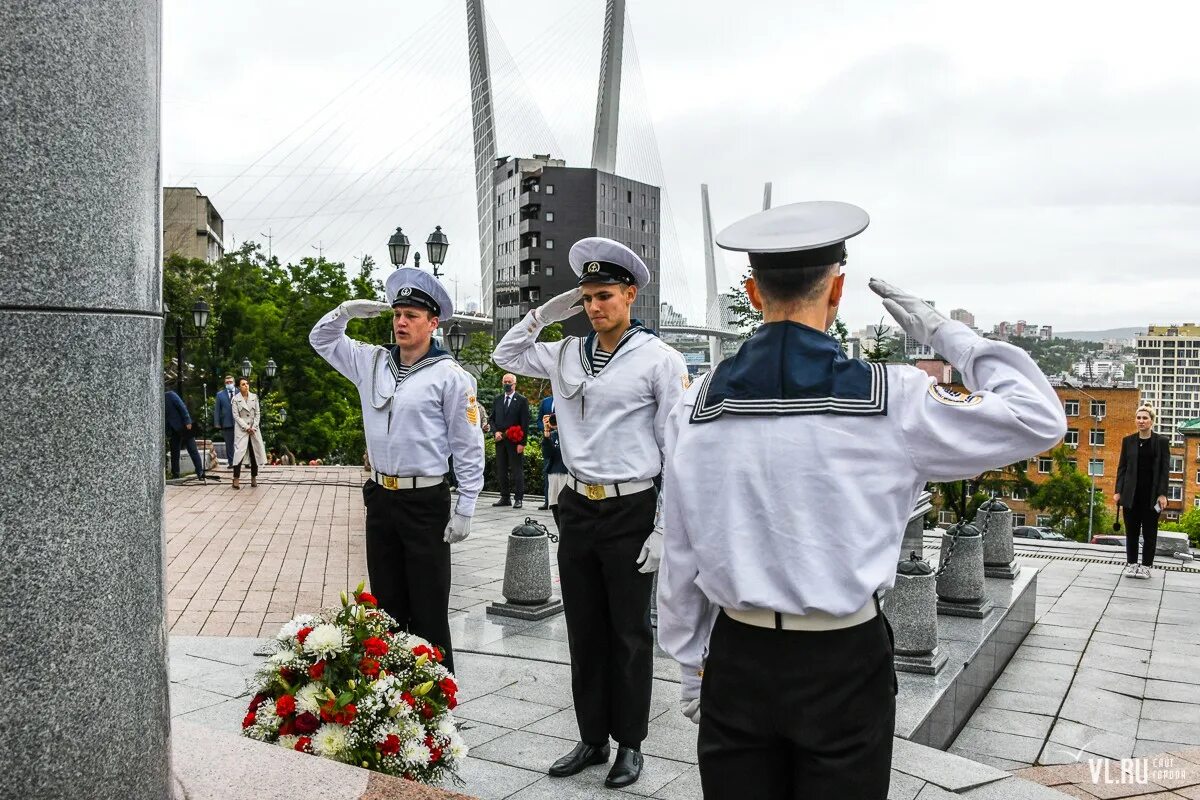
x=418, y=409
x=613, y=391
x=775, y=551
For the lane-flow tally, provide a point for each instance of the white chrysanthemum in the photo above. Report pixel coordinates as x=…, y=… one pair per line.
x=410, y=729
x=309, y=698
x=329, y=740
x=325, y=641
x=445, y=727
x=265, y=715
x=282, y=657
x=288, y=742
x=458, y=749
x=415, y=753
x=292, y=627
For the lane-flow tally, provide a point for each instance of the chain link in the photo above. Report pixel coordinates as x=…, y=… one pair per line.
x=943, y=563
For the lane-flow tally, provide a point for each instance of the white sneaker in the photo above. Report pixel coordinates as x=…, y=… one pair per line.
x=1141, y=572
x=1146, y=572
x=1131, y=571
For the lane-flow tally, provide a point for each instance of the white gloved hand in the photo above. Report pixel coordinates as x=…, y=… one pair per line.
x=362, y=309
x=559, y=307
x=457, y=529
x=918, y=319
x=651, y=552
x=691, y=709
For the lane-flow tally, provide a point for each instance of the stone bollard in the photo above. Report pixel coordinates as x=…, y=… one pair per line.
x=527, y=575
x=960, y=573
x=994, y=519
x=911, y=608
x=914, y=532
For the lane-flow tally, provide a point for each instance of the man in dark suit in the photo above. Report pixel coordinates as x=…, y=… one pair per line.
x=179, y=428
x=223, y=416
x=508, y=410
x=1142, y=480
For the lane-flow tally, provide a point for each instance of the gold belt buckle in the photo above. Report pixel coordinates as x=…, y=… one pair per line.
x=595, y=491
x=390, y=482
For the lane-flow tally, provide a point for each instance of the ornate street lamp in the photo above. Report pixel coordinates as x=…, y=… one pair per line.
x=247, y=368
x=456, y=339
x=398, y=248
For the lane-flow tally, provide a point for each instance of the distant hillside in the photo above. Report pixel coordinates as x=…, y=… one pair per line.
x=1100, y=336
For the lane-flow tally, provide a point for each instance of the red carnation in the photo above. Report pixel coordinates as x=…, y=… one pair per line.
x=435, y=754
x=451, y=703
x=287, y=673
x=248, y=720
x=302, y=634
x=376, y=647
x=287, y=728
x=366, y=598
x=437, y=654
x=258, y=700
x=408, y=698
x=429, y=740
x=316, y=670
x=427, y=711
x=390, y=746
x=515, y=434
x=304, y=744
x=285, y=706
x=448, y=687
x=327, y=711
x=346, y=715
x=369, y=667
x=307, y=723
x=422, y=650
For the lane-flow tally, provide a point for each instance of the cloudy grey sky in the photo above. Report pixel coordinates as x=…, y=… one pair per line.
x=1031, y=160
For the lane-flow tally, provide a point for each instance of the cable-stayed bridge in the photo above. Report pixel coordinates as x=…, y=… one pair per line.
x=338, y=183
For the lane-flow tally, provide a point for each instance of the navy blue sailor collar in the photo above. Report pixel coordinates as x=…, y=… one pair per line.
x=434, y=355
x=787, y=369
x=587, y=345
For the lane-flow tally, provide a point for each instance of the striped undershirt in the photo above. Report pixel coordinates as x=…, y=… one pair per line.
x=599, y=360
x=401, y=371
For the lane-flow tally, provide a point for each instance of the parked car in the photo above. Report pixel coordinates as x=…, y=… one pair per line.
x=1109, y=539
x=1038, y=532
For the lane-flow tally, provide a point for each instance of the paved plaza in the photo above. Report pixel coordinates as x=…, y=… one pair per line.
x=1108, y=671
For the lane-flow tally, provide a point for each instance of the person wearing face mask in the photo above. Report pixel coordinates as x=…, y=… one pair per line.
x=418, y=409
x=612, y=391
x=510, y=410
x=223, y=416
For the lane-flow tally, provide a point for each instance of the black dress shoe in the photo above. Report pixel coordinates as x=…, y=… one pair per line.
x=517, y=504
x=583, y=756
x=543, y=508
x=626, y=768
x=503, y=501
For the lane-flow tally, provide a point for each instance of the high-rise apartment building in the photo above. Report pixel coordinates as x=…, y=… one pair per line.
x=541, y=208
x=963, y=316
x=191, y=225
x=1168, y=375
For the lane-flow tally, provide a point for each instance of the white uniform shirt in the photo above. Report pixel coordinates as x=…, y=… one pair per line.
x=415, y=424
x=807, y=512
x=611, y=425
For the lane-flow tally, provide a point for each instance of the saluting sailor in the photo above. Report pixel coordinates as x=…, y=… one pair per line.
x=613, y=391
x=418, y=409
x=785, y=541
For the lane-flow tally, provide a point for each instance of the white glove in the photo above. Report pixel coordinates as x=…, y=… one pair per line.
x=559, y=307
x=651, y=552
x=362, y=309
x=691, y=709
x=918, y=319
x=457, y=529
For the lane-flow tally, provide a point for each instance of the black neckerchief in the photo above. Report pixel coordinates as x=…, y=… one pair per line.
x=434, y=355
x=587, y=357
x=786, y=369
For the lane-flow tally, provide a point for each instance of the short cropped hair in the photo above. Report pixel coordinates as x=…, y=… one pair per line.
x=791, y=285
x=1148, y=410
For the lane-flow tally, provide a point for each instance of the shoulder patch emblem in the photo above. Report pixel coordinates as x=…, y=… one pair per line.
x=472, y=410
x=952, y=398
x=686, y=382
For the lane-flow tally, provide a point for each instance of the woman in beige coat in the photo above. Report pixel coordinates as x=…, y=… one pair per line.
x=247, y=438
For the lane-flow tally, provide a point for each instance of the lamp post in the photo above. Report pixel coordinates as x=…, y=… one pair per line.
x=435, y=248
x=248, y=369
x=200, y=313
x=456, y=339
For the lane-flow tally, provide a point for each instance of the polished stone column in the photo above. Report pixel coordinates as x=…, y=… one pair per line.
x=83, y=645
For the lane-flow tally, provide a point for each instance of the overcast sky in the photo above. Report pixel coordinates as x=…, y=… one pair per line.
x=1027, y=160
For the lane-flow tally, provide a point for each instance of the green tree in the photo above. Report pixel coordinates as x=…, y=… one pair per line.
x=885, y=348
x=1066, y=496
x=742, y=314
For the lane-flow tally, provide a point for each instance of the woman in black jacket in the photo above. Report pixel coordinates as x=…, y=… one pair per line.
x=1142, y=490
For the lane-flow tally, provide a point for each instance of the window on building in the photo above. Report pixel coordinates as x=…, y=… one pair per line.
x=643, y=199
x=1096, y=467
x=1175, y=491
x=1072, y=463
x=1196, y=502
x=1172, y=516
x=534, y=294
x=1045, y=465
x=549, y=188
x=1018, y=519
x=549, y=244
x=1177, y=465
x=946, y=518
x=652, y=226
x=1042, y=520
x=1096, y=437
x=1018, y=493
x=629, y=222
x=602, y=218
x=1071, y=407
x=549, y=216
x=643, y=251
x=1099, y=408
x=653, y=201
x=643, y=226
x=628, y=195
x=1072, y=437
x=549, y=271
x=602, y=188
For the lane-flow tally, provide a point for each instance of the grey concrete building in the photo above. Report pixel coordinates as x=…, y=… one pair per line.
x=541, y=208
x=191, y=225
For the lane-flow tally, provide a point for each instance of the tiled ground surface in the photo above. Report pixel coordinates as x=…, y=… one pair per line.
x=1103, y=673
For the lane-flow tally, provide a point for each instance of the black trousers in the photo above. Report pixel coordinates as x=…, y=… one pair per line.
x=188, y=439
x=1141, y=520
x=508, y=460
x=407, y=561
x=797, y=714
x=237, y=468
x=607, y=605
